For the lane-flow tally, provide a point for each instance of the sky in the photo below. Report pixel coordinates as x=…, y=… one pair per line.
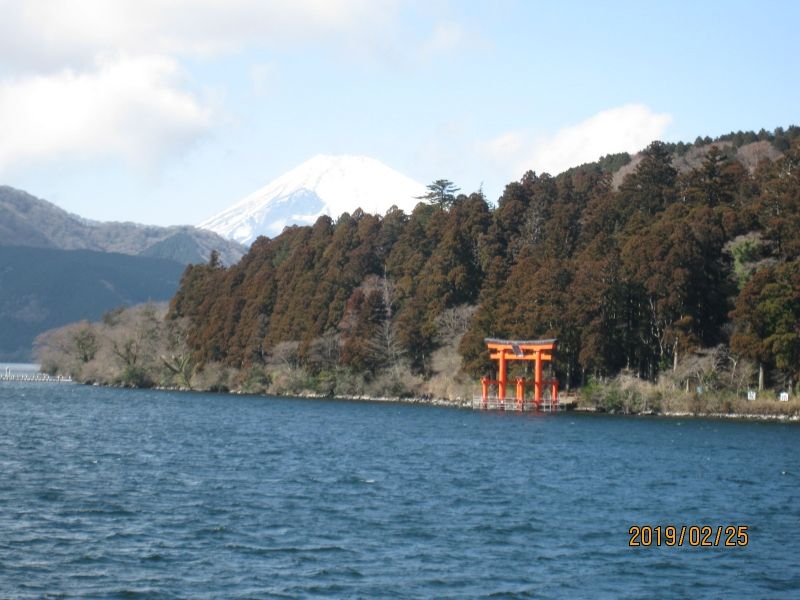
x=166, y=112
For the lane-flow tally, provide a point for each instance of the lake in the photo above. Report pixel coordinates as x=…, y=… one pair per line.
x=109, y=493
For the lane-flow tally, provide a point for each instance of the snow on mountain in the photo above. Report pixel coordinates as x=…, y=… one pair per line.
x=323, y=185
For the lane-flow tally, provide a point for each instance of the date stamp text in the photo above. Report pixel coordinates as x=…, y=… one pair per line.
x=726, y=536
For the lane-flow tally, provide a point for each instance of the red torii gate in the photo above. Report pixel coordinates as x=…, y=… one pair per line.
x=536, y=351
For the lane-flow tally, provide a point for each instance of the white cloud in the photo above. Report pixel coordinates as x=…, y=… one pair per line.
x=261, y=76
x=505, y=148
x=96, y=78
x=627, y=128
x=129, y=108
x=446, y=37
x=50, y=34
x=93, y=79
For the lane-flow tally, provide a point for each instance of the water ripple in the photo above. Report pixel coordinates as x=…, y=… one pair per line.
x=125, y=494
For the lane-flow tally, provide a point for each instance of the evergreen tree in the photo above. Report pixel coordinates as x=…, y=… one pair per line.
x=651, y=187
x=767, y=319
x=441, y=193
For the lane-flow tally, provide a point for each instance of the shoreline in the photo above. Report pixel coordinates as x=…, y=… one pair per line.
x=466, y=404
x=691, y=415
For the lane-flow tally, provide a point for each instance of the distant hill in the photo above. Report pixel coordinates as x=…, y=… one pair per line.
x=749, y=155
x=42, y=288
x=747, y=147
x=29, y=221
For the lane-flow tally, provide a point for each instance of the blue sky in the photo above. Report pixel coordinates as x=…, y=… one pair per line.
x=167, y=112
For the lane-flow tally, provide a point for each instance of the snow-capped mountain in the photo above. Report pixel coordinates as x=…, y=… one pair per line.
x=323, y=185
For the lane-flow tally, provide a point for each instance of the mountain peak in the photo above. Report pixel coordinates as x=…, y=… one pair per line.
x=323, y=185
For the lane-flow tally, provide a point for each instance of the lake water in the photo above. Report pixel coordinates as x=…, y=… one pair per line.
x=136, y=494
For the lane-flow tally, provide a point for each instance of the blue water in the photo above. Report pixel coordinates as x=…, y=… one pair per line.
x=134, y=494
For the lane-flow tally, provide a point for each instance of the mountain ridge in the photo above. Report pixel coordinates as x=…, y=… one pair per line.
x=26, y=220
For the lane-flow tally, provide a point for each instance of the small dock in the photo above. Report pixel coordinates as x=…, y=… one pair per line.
x=512, y=404
x=9, y=375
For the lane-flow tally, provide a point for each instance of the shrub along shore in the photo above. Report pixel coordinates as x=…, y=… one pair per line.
x=629, y=395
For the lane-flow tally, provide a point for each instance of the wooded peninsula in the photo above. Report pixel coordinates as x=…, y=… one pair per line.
x=671, y=280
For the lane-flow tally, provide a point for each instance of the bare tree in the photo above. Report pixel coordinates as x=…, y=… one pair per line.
x=286, y=354
x=325, y=350
x=453, y=323
x=386, y=346
x=175, y=353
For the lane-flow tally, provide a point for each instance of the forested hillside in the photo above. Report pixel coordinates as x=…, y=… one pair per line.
x=641, y=274
x=685, y=272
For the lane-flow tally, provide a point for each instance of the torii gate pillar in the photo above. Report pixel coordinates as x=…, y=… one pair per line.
x=537, y=378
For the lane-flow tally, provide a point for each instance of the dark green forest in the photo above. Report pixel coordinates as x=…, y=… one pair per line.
x=638, y=275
